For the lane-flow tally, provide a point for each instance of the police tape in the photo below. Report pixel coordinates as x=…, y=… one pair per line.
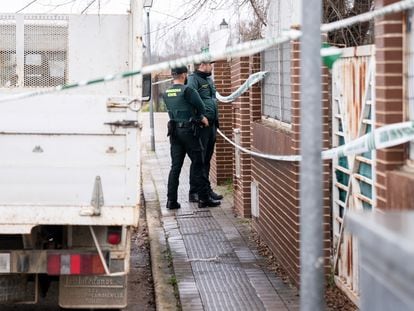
x=162, y=81
x=254, y=78
x=243, y=49
x=365, y=17
x=380, y=138
x=239, y=50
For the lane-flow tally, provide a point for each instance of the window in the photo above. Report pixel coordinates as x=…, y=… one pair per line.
x=277, y=87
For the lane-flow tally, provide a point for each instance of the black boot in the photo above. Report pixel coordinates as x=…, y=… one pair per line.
x=193, y=197
x=215, y=196
x=208, y=202
x=173, y=205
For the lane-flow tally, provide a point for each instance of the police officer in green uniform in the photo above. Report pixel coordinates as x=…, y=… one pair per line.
x=185, y=105
x=201, y=81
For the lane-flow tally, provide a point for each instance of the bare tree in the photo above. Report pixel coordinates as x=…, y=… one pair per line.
x=26, y=6
x=252, y=29
x=358, y=34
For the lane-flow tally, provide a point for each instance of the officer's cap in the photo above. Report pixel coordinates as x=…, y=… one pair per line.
x=198, y=64
x=179, y=70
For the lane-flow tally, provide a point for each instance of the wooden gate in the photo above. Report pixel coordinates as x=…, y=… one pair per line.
x=353, y=186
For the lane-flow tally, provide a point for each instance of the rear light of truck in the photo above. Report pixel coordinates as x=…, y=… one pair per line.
x=74, y=264
x=114, y=235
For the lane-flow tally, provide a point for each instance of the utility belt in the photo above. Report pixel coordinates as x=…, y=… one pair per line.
x=184, y=124
x=173, y=125
x=193, y=124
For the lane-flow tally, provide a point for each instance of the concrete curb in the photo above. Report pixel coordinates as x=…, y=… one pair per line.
x=165, y=298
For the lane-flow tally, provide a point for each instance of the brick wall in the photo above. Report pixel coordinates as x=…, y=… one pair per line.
x=278, y=182
x=222, y=161
x=389, y=94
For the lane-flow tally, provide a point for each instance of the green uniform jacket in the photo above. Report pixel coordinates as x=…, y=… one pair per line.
x=205, y=87
x=183, y=103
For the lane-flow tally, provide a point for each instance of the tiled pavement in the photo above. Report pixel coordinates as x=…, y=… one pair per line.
x=214, y=267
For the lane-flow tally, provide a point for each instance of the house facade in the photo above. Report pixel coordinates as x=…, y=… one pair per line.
x=370, y=86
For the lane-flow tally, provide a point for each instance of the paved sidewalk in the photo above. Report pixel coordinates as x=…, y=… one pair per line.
x=214, y=267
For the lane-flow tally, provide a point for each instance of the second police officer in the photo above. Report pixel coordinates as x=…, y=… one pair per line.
x=201, y=81
x=184, y=104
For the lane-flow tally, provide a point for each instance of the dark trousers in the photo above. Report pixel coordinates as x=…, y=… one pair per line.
x=184, y=143
x=208, y=139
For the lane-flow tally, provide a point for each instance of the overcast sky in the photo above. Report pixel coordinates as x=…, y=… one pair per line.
x=168, y=16
x=162, y=10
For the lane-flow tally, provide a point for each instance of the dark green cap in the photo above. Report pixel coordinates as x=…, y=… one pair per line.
x=179, y=70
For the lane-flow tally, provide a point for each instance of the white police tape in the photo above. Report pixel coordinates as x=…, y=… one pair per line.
x=383, y=137
x=242, y=49
x=291, y=158
x=162, y=81
x=254, y=78
x=365, y=17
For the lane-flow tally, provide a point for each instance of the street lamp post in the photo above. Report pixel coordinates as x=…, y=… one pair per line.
x=223, y=24
x=147, y=7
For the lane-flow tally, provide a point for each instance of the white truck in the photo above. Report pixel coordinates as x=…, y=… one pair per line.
x=69, y=161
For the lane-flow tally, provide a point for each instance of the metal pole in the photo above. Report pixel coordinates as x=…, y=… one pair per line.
x=311, y=203
x=151, y=108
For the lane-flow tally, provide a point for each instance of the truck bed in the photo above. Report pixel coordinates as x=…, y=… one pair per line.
x=50, y=159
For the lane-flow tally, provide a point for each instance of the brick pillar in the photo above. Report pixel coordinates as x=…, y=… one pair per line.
x=222, y=161
x=389, y=93
x=326, y=144
x=255, y=93
x=241, y=121
x=327, y=167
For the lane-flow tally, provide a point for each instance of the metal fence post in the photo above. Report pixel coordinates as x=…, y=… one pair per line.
x=311, y=203
x=151, y=104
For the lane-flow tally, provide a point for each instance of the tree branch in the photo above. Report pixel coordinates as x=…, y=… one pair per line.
x=256, y=11
x=26, y=6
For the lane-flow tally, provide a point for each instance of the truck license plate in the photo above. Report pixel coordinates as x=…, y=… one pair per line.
x=4, y=263
x=92, y=291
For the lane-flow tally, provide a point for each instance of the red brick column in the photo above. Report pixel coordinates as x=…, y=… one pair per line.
x=240, y=70
x=255, y=93
x=326, y=144
x=222, y=161
x=389, y=93
x=327, y=167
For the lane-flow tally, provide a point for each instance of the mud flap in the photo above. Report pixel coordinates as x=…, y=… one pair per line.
x=18, y=288
x=93, y=291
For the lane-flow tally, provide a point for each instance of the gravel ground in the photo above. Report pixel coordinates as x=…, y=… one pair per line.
x=334, y=298
x=140, y=285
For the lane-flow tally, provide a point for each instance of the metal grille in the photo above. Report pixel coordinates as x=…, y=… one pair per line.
x=277, y=86
x=8, y=76
x=45, y=52
x=33, y=50
x=222, y=280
